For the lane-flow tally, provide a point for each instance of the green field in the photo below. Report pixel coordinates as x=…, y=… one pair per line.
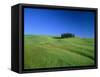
x=47, y=52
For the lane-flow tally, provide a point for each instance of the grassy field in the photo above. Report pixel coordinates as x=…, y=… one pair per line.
x=46, y=52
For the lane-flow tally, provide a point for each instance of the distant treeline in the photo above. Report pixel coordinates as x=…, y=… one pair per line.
x=67, y=35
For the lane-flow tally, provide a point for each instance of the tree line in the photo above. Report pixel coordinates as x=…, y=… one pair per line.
x=67, y=35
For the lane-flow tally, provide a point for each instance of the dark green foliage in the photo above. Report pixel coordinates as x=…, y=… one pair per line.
x=67, y=35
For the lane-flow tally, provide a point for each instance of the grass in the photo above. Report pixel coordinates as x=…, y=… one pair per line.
x=48, y=52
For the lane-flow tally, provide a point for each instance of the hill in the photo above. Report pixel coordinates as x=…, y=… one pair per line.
x=46, y=52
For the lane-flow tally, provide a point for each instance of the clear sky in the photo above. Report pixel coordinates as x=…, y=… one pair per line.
x=55, y=22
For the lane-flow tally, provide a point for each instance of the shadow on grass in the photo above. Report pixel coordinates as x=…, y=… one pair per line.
x=55, y=37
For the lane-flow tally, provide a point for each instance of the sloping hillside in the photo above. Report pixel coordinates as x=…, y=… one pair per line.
x=46, y=51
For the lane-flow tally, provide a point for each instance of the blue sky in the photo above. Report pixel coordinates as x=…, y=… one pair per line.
x=54, y=22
